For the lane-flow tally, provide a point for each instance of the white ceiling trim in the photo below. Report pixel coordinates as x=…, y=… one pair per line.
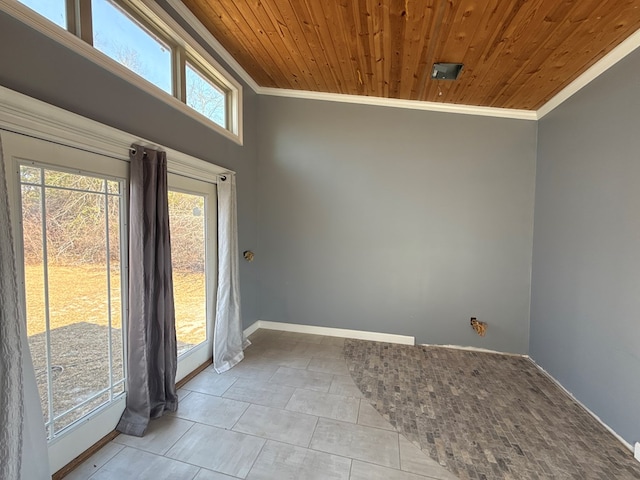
x=406, y=104
x=613, y=57
x=202, y=31
x=630, y=44
x=217, y=47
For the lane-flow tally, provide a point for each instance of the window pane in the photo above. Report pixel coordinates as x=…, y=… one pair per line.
x=73, y=292
x=34, y=288
x=70, y=180
x=30, y=175
x=122, y=38
x=187, y=224
x=54, y=10
x=206, y=97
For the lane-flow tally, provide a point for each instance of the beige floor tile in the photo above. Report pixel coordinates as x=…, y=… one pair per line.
x=318, y=350
x=211, y=410
x=294, y=377
x=223, y=451
x=281, y=358
x=276, y=424
x=270, y=340
x=414, y=460
x=250, y=370
x=182, y=393
x=367, y=471
x=335, y=366
x=133, y=463
x=162, y=433
x=344, y=385
x=302, y=337
x=358, y=442
x=261, y=420
x=260, y=393
x=210, y=382
x=95, y=461
x=288, y=462
x=370, y=417
x=326, y=405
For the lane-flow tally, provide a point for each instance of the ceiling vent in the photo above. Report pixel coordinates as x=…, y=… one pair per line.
x=446, y=71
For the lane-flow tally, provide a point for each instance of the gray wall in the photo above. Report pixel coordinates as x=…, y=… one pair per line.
x=585, y=328
x=36, y=66
x=397, y=221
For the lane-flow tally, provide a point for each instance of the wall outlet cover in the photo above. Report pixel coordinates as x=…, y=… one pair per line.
x=636, y=451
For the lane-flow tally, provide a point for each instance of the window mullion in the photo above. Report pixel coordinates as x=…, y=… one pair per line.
x=179, y=74
x=79, y=19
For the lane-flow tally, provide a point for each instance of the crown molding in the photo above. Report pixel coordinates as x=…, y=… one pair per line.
x=24, y=14
x=406, y=104
x=204, y=33
x=186, y=14
x=614, y=56
x=627, y=46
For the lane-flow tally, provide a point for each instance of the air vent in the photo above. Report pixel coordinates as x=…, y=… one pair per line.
x=446, y=71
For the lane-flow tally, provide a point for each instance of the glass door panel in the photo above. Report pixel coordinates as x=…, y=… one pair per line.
x=71, y=230
x=188, y=259
x=192, y=222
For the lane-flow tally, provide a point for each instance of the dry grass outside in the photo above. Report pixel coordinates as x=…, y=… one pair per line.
x=78, y=293
x=79, y=333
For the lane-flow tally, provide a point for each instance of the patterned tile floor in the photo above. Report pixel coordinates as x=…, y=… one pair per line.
x=289, y=411
x=486, y=416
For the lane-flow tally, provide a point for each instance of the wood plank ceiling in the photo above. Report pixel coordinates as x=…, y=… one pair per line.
x=516, y=53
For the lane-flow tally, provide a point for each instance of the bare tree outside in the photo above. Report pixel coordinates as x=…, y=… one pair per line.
x=205, y=97
x=71, y=225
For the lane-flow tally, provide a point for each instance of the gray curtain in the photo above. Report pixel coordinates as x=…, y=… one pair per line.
x=152, y=356
x=23, y=445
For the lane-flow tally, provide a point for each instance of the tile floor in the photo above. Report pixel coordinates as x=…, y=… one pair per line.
x=485, y=415
x=288, y=411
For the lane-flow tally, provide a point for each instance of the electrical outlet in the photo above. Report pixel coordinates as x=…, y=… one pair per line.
x=636, y=452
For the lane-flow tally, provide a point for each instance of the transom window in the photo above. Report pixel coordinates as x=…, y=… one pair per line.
x=119, y=35
x=132, y=33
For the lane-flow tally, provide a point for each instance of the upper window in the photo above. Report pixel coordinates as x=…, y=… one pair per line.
x=134, y=34
x=205, y=96
x=117, y=34
x=54, y=10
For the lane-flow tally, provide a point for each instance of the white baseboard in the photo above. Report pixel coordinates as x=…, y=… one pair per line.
x=586, y=409
x=475, y=349
x=330, y=332
x=251, y=329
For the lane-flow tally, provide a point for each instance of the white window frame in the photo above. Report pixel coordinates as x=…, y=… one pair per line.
x=151, y=13
x=24, y=115
x=199, y=354
x=72, y=440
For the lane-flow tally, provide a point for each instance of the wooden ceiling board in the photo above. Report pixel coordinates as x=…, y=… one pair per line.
x=517, y=53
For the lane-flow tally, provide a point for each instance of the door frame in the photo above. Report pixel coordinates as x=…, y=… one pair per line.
x=20, y=114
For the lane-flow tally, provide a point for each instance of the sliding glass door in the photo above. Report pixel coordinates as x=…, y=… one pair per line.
x=70, y=215
x=72, y=247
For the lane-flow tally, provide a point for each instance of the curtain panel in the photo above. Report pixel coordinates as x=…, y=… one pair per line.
x=228, y=340
x=23, y=446
x=152, y=356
